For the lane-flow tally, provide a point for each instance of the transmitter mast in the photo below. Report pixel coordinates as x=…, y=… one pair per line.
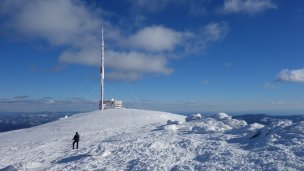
x=101, y=104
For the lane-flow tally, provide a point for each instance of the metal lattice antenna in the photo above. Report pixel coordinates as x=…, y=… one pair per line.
x=101, y=105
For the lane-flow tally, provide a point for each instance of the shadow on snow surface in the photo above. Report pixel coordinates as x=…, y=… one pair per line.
x=73, y=158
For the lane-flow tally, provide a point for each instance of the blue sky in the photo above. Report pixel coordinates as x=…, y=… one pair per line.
x=234, y=56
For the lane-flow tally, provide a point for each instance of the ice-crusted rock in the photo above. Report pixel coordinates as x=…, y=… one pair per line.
x=172, y=127
x=271, y=132
x=252, y=129
x=216, y=123
x=279, y=135
x=298, y=128
x=210, y=125
x=225, y=118
x=222, y=116
x=197, y=116
x=247, y=130
x=255, y=126
x=170, y=122
x=283, y=134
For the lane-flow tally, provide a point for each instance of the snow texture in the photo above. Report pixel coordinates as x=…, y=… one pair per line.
x=129, y=139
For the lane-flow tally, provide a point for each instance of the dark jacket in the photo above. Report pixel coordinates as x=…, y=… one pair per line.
x=76, y=137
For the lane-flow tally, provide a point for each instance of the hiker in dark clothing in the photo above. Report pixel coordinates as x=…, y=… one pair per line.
x=76, y=139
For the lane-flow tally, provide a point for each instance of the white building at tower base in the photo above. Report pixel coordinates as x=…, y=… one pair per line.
x=112, y=104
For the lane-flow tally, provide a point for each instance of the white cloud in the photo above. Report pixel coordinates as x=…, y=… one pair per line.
x=156, y=39
x=135, y=61
x=287, y=75
x=198, y=40
x=124, y=65
x=132, y=65
x=56, y=21
x=75, y=27
x=148, y=50
x=86, y=56
x=162, y=39
x=69, y=24
x=72, y=25
x=247, y=6
x=216, y=31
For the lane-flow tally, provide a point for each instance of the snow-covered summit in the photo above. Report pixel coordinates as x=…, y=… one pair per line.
x=42, y=147
x=130, y=139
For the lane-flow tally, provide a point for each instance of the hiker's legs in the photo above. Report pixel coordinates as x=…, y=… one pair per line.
x=74, y=143
x=77, y=144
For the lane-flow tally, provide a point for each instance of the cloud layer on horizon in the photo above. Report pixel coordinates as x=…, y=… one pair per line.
x=46, y=104
x=29, y=104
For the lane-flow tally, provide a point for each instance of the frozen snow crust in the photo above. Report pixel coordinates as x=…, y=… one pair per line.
x=130, y=139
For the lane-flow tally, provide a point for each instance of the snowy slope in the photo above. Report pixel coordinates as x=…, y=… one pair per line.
x=140, y=140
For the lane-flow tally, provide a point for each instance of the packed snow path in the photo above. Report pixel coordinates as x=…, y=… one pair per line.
x=142, y=140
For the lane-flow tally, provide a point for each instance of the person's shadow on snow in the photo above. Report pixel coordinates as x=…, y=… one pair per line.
x=73, y=158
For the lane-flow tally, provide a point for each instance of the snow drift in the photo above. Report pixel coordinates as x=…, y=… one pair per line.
x=148, y=140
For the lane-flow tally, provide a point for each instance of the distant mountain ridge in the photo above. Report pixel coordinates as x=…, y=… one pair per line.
x=267, y=119
x=18, y=120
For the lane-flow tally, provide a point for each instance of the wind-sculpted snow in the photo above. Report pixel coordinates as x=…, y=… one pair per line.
x=226, y=119
x=145, y=140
